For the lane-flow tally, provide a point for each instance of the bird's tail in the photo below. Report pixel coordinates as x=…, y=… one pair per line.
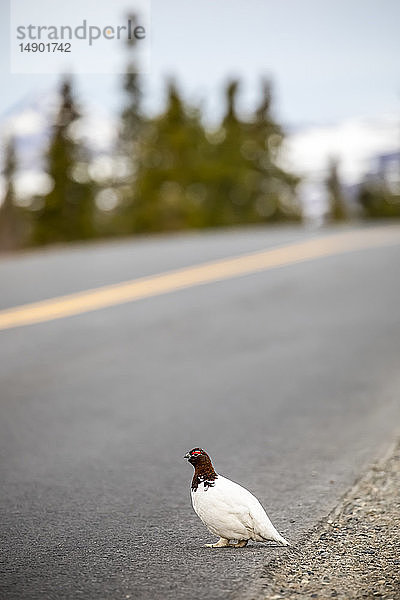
x=280, y=539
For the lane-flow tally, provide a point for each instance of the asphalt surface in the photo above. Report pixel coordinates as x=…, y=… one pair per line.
x=289, y=378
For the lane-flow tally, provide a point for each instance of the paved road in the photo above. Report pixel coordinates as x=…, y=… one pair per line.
x=289, y=378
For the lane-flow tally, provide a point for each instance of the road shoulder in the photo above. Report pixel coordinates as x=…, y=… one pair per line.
x=353, y=553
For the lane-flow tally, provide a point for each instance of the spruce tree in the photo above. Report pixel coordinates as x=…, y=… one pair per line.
x=131, y=118
x=187, y=177
x=228, y=190
x=248, y=184
x=274, y=189
x=337, y=209
x=11, y=225
x=377, y=201
x=67, y=210
x=132, y=126
x=167, y=169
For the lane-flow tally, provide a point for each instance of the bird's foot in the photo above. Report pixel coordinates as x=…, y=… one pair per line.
x=240, y=544
x=222, y=543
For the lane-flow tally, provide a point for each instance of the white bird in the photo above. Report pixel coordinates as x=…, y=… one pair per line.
x=226, y=508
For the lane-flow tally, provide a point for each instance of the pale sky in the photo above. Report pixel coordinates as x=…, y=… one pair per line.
x=329, y=60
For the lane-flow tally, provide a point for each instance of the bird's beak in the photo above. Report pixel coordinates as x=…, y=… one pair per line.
x=187, y=455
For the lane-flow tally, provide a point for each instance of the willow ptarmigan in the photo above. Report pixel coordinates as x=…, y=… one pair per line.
x=226, y=508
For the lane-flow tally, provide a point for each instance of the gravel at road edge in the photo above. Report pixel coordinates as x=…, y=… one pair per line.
x=354, y=553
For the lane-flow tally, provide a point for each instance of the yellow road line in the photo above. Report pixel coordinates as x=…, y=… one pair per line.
x=144, y=287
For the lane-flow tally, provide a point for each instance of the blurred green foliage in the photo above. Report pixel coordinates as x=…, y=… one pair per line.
x=378, y=201
x=184, y=175
x=176, y=172
x=67, y=211
x=337, y=207
x=170, y=172
x=12, y=220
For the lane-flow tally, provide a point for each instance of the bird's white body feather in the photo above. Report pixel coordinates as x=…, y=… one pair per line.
x=232, y=512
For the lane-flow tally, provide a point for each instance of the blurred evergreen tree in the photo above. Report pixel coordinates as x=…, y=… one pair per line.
x=337, y=208
x=132, y=124
x=67, y=210
x=274, y=195
x=248, y=186
x=121, y=183
x=224, y=168
x=131, y=116
x=11, y=219
x=189, y=177
x=169, y=173
x=378, y=201
x=167, y=190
